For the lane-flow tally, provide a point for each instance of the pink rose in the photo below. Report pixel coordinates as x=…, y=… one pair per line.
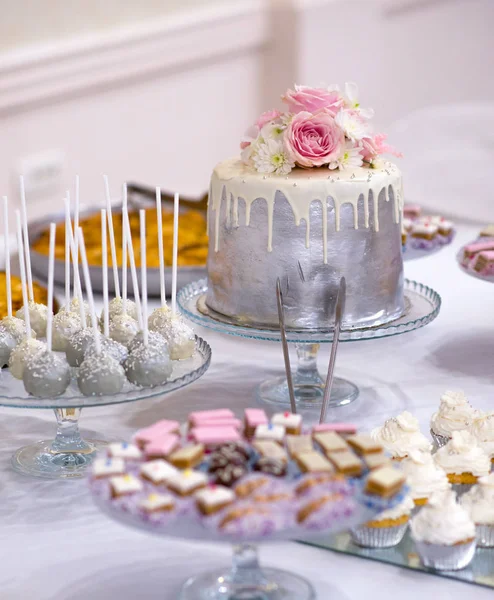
x=374, y=146
x=312, y=100
x=313, y=140
x=266, y=117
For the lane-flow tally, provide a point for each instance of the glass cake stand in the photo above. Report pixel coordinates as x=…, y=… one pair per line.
x=246, y=579
x=422, y=305
x=469, y=271
x=68, y=455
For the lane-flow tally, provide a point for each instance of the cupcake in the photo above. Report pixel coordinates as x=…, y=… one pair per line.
x=483, y=431
x=479, y=503
x=424, y=477
x=444, y=533
x=386, y=529
x=463, y=460
x=455, y=414
x=401, y=435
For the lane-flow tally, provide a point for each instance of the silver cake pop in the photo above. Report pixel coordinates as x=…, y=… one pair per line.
x=16, y=327
x=65, y=324
x=115, y=308
x=7, y=344
x=159, y=318
x=155, y=340
x=146, y=366
x=123, y=329
x=180, y=337
x=37, y=315
x=108, y=346
x=22, y=353
x=77, y=344
x=100, y=375
x=46, y=375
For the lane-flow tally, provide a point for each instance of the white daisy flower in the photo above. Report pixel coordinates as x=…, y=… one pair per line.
x=349, y=159
x=271, y=157
x=351, y=93
x=354, y=127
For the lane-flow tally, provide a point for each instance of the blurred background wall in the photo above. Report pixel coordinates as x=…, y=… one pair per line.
x=158, y=91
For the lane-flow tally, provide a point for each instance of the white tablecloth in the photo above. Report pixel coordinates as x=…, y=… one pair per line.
x=55, y=545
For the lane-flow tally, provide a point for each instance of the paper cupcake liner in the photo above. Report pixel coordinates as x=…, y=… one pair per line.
x=485, y=536
x=378, y=537
x=461, y=488
x=446, y=558
x=439, y=440
x=482, y=565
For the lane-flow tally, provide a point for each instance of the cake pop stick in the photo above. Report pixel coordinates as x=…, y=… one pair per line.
x=6, y=240
x=77, y=277
x=27, y=252
x=133, y=270
x=144, y=282
x=175, y=253
x=68, y=226
x=51, y=268
x=113, y=249
x=124, y=250
x=77, y=206
x=22, y=266
x=104, y=272
x=89, y=290
x=161, y=254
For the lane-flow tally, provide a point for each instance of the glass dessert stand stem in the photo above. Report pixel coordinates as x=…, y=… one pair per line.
x=69, y=455
x=422, y=305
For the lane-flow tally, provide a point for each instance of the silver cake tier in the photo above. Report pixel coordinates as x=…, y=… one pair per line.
x=242, y=273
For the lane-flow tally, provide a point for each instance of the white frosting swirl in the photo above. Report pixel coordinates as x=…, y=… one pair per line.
x=483, y=431
x=479, y=501
x=442, y=521
x=401, y=435
x=462, y=454
x=455, y=413
x=424, y=477
x=403, y=508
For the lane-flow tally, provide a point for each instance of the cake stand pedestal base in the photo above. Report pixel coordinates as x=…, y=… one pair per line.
x=307, y=383
x=247, y=581
x=67, y=456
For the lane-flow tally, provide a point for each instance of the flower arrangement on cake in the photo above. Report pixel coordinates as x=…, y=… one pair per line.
x=323, y=127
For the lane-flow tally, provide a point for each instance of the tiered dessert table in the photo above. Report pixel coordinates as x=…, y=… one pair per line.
x=55, y=545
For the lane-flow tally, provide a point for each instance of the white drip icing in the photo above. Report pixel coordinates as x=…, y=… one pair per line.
x=301, y=188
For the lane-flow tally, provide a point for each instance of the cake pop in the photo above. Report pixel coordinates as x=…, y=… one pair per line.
x=161, y=315
x=65, y=325
x=179, y=335
x=46, y=374
x=155, y=340
x=7, y=344
x=38, y=316
x=29, y=346
x=16, y=327
x=99, y=374
x=147, y=365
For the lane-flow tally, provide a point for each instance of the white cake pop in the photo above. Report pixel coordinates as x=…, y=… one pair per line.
x=65, y=325
x=159, y=318
x=180, y=336
x=38, y=315
x=75, y=307
x=116, y=308
x=155, y=340
x=29, y=346
x=123, y=329
x=16, y=327
x=99, y=374
x=7, y=344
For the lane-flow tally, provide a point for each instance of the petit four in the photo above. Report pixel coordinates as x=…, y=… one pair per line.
x=385, y=482
x=198, y=417
x=484, y=262
x=124, y=450
x=187, y=457
x=346, y=463
x=444, y=226
x=270, y=449
x=270, y=431
x=237, y=513
x=185, y=483
x=376, y=460
x=412, y=211
x=292, y=423
x=488, y=231
x=252, y=418
x=329, y=441
x=230, y=474
x=343, y=429
x=157, y=503
x=271, y=466
x=163, y=446
x=315, y=479
x=470, y=250
x=213, y=436
x=159, y=429
x=158, y=471
x=249, y=486
x=424, y=230
x=225, y=422
x=296, y=444
x=105, y=467
x=313, y=506
x=121, y=485
x=313, y=462
x=213, y=498
x=363, y=444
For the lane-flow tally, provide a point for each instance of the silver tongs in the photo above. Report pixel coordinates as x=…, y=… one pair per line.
x=340, y=309
x=284, y=343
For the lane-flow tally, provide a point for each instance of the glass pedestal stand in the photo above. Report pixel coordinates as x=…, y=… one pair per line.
x=69, y=455
x=247, y=581
x=422, y=305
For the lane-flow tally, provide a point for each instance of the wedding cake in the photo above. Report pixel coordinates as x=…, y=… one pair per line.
x=310, y=200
